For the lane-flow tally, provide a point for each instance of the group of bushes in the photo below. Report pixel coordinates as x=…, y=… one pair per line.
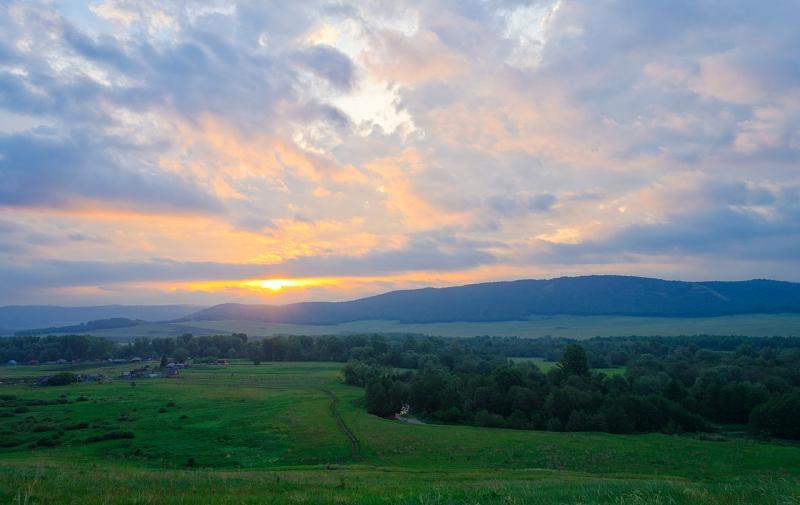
x=113, y=435
x=43, y=430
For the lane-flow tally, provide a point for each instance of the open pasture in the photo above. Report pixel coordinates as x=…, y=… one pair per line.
x=293, y=433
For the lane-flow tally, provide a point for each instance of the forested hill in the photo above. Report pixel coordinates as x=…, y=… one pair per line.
x=23, y=317
x=514, y=300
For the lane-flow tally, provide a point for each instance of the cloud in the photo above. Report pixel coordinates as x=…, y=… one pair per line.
x=372, y=139
x=508, y=205
x=330, y=64
x=735, y=222
x=25, y=279
x=47, y=171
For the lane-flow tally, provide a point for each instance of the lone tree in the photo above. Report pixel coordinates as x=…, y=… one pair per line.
x=573, y=361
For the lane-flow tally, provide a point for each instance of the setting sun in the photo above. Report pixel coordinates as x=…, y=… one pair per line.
x=280, y=284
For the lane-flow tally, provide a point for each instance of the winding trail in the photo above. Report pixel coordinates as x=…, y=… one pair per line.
x=355, y=451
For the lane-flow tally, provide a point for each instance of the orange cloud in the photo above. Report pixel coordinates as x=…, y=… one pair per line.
x=395, y=182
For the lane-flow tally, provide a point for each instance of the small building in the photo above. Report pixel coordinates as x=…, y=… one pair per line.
x=221, y=362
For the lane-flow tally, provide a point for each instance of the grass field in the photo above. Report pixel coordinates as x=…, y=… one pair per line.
x=293, y=433
x=755, y=325
x=545, y=366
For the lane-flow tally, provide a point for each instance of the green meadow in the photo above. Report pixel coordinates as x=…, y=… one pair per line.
x=756, y=325
x=545, y=366
x=294, y=433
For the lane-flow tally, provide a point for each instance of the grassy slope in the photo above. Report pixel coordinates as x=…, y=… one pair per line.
x=536, y=326
x=265, y=434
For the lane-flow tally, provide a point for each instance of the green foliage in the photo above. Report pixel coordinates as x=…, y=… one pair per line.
x=779, y=417
x=113, y=435
x=671, y=385
x=574, y=361
x=62, y=379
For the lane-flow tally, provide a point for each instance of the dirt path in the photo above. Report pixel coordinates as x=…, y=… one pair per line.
x=355, y=452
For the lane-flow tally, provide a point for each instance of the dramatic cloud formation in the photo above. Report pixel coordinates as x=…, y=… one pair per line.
x=192, y=151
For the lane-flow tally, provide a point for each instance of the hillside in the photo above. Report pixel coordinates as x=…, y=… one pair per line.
x=100, y=324
x=23, y=317
x=515, y=300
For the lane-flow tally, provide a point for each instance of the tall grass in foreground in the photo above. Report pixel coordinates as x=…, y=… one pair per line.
x=354, y=485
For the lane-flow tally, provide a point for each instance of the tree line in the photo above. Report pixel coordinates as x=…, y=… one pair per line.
x=668, y=385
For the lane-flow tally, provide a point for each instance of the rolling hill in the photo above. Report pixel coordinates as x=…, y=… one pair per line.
x=516, y=300
x=23, y=317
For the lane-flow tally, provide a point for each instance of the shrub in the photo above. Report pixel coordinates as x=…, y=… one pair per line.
x=47, y=442
x=62, y=379
x=9, y=441
x=113, y=435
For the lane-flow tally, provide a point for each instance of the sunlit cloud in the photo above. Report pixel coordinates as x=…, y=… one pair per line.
x=205, y=152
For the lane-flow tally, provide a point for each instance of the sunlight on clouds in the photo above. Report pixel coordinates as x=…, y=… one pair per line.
x=528, y=26
x=374, y=101
x=271, y=145
x=266, y=285
x=562, y=236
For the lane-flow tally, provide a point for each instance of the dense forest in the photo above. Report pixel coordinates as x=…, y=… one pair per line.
x=666, y=384
x=692, y=384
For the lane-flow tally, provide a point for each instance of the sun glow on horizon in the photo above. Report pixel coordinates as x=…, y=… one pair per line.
x=271, y=286
x=279, y=284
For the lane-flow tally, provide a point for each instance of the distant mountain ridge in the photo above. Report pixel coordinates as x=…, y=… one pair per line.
x=516, y=300
x=23, y=317
x=100, y=324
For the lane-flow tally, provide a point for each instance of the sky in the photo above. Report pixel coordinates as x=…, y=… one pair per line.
x=272, y=152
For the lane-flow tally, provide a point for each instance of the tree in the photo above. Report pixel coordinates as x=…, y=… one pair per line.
x=381, y=397
x=573, y=361
x=62, y=379
x=164, y=361
x=181, y=355
x=377, y=398
x=778, y=417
